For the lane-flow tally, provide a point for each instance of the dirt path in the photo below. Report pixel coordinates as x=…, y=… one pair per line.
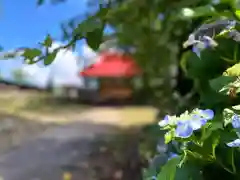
x=55, y=151
x=69, y=147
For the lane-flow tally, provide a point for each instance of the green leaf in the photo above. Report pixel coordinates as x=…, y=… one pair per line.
x=94, y=38
x=197, y=12
x=183, y=61
x=30, y=54
x=237, y=12
x=210, y=62
x=220, y=82
x=48, y=41
x=234, y=70
x=158, y=161
x=237, y=107
x=89, y=25
x=213, y=126
x=148, y=173
x=189, y=171
x=168, y=136
x=168, y=171
x=211, y=98
x=50, y=58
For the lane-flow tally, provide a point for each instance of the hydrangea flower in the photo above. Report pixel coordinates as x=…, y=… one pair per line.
x=204, y=115
x=235, y=143
x=199, y=44
x=164, y=122
x=187, y=122
x=197, y=119
x=236, y=125
x=202, y=38
x=236, y=121
x=168, y=120
x=184, y=129
x=231, y=25
x=235, y=35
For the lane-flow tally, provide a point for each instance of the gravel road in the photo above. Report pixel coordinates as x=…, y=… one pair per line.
x=55, y=151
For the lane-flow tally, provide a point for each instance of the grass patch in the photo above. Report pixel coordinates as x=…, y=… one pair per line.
x=35, y=105
x=40, y=106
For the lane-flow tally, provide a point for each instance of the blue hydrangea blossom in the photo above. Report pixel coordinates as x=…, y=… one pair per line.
x=202, y=38
x=187, y=123
x=184, y=129
x=236, y=125
x=204, y=43
x=236, y=121
x=200, y=44
x=164, y=122
x=168, y=120
x=235, y=143
x=197, y=119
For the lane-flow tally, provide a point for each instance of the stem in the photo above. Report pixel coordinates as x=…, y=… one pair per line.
x=225, y=168
x=232, y=161
x=203, y=134
x=214, y=151
x=184, y=158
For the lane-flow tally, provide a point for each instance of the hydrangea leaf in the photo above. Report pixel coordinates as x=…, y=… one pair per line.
x=168, y=171
x=228, y=49
x=210, y=62
x=148, y=173
x=237, y=107
x=169, y=136
x=220, y=82
x=233, y=71
x=213, y=126
x=189, y=171
x=189, y=13
x=158, y=161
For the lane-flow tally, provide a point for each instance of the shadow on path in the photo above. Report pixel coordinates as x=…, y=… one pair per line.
x=57, y=150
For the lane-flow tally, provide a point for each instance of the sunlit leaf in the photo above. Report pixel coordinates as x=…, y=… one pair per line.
x=31, y=53
x=197, y=12
x=50, y=58
x=233, y=71
x=237, y=107
x=48, y=41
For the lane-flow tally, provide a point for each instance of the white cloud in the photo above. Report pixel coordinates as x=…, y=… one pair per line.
x=87, y=52
x=89, y=56
x=64, y=70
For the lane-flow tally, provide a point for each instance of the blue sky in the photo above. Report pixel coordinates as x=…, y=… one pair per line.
x=24, y=24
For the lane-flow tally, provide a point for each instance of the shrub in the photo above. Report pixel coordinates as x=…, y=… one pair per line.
x=203, y=142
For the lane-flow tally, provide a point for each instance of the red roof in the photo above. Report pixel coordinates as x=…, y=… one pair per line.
x=112, y=64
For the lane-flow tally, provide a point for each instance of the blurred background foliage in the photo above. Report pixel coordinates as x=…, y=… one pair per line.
x=151, y=31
